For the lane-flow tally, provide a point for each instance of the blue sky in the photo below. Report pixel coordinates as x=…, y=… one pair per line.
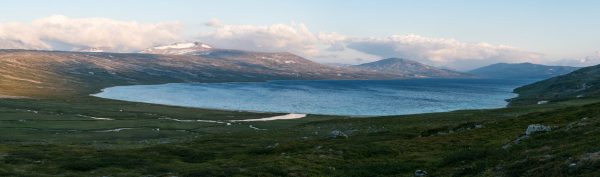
x=555, y=29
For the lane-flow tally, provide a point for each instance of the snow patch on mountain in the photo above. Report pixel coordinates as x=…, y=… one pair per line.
x=179, y=48
x=93, y=50
x=176, y=46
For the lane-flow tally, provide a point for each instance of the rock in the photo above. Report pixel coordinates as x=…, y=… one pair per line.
x=534, y=128
x=591, y=156
x=516, y=141
x=580, y=123
x=272, y=146
x=531, y=129
x=420, y=173
x=337, y=133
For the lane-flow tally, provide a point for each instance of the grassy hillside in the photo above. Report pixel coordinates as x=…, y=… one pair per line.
x=521, y=71
x=582, y=83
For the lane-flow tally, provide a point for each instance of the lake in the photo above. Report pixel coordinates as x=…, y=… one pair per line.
x=351, y=98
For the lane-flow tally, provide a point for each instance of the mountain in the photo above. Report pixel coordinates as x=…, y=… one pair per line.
x=409, y=68
x=582, y=83
x=521, y=71
x=30, y=73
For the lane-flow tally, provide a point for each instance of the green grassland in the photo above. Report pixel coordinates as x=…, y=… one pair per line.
x=59, y=137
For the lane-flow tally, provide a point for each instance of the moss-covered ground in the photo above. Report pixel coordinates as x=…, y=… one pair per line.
x=72, y=137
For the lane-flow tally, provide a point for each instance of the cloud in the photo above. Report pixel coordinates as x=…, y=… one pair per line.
x=334, y=47
x=294, y=37
x=20, y=36
x=114, y=35
x=214, y=23
x=334, y=41
x=592, y=59
x=59, y=32
x=589, y=60
x=441, y=51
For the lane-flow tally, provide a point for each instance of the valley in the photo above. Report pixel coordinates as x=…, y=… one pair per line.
x=311, y=88
x=52, y=127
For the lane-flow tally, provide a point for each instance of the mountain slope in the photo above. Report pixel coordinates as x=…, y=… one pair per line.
x=53, y=73
x=582, y=83
x=521, y=71
x=408, y=68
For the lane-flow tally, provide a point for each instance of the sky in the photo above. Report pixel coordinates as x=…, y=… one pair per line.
x=457, y=34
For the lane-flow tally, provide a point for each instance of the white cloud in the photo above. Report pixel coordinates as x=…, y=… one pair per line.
x=334, y=41
x=114, y=35
x=440, y=51
x=20, y=36
x=64, y=33
x=592, y=59
x=295, y=37
x=214, y=23
x=335, y=47
x=589, y=60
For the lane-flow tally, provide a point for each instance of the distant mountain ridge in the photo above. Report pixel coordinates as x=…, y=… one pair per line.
x=521, y=71
x=39, y=74
x=409, y=68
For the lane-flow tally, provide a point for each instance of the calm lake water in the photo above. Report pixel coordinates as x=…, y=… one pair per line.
x=355, y=98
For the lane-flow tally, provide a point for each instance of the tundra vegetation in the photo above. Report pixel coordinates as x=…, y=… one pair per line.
x=68, y=133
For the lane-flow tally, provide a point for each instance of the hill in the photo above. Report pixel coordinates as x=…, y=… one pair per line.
x=409, y=68
x=45, y=73
x=579, y=84
x=521, y=71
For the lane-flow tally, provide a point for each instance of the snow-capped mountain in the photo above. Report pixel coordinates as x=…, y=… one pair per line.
x=179, y=48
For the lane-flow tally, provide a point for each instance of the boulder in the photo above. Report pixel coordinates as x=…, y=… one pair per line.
x=420, y=173
x=534, y=128
x=337, y=133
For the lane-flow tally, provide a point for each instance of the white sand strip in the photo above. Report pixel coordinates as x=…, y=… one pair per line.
x=282, y=117
x=206, y=121
x=115, y=130
x=96, y=118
